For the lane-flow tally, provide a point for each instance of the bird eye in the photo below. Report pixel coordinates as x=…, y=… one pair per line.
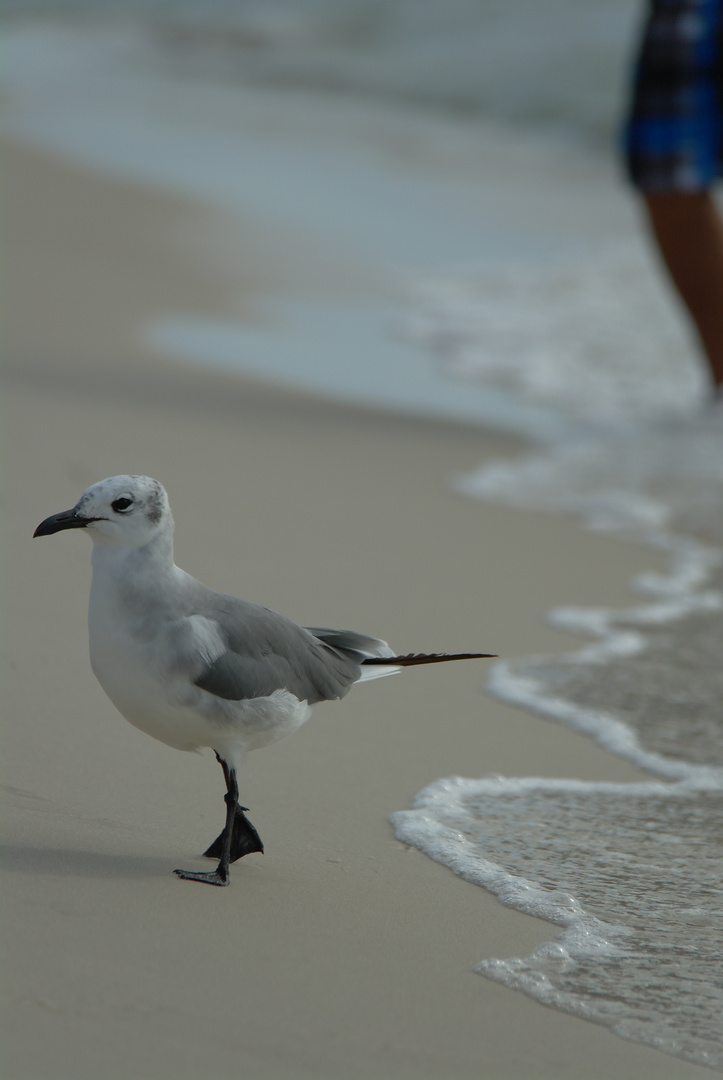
x=122, y=505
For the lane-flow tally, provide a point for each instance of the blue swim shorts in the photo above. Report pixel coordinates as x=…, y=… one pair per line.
x=673, y=138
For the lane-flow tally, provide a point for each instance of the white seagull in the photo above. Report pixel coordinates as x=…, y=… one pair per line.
x=195, y=668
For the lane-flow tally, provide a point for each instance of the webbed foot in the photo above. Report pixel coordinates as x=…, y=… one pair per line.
x=244, y=838
x=216, y=877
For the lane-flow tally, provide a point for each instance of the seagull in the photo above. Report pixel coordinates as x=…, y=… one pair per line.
x=195, y=668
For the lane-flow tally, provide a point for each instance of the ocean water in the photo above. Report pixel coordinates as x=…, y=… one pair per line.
x=555, y=62
x=627, y=872
x=463, y=247
x=632, y=874
x=595, y=339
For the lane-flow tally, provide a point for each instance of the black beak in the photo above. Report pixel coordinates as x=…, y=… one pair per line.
x=69, y=519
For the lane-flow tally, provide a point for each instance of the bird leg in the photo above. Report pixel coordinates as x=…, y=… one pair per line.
x=244, y=838
x=238, y=838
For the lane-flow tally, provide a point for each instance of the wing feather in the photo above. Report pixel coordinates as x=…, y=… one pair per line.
x=266, y=651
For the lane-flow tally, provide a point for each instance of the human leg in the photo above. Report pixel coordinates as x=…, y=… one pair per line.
x=688, y=231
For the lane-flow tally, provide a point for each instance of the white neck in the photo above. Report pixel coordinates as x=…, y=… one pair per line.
x=126, y=575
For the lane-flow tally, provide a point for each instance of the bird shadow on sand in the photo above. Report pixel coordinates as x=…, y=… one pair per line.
x=70, y=862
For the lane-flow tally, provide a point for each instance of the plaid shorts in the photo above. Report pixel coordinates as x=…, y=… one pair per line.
x=674, y=133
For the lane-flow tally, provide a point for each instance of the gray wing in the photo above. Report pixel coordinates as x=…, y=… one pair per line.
x=268, y=652
x=361, y=645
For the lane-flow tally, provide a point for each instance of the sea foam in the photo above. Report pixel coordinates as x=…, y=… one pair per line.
x=631, y=874
x=626, y=871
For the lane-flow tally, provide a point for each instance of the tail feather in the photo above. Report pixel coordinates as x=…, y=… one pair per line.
x=412, y=659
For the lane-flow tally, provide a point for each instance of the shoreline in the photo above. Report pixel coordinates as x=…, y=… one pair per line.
x=341, y=952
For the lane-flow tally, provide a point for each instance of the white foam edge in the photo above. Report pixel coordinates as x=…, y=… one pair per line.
x=691, y=565
x=679, y=593
x=629, y=516
x=424, y=829
x=607, y=731
x=516, y=974
x=584, y=935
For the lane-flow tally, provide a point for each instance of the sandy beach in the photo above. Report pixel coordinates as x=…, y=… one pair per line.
x=340, y=952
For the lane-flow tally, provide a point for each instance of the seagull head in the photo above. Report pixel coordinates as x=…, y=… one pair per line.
x=122, y=511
